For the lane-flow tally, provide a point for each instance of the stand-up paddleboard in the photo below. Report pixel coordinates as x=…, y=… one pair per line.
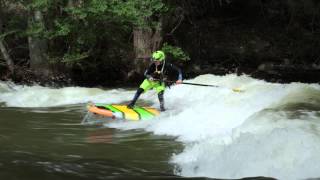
x=118, y=111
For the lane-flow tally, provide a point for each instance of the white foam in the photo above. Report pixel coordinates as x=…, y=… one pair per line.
x=283, y=153
x=37, y=96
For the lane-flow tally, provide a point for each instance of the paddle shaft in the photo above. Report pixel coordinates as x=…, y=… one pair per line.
x=207, y=85
x=195, y=84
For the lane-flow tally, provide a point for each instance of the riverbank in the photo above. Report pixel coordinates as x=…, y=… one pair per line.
x=268, y=72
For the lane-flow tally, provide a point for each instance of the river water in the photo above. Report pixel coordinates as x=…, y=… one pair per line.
x=268, y=129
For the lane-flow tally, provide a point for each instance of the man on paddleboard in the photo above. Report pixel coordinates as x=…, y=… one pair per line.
x=155, y=78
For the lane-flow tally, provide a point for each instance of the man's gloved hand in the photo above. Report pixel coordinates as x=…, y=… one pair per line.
x=178, y=81
x=150, y=78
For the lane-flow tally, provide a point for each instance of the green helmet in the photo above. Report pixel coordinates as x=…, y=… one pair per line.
x=158, y=56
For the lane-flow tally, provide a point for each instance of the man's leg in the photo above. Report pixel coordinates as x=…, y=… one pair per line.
x=145, y=86
x=160, y=87
x=135, y=98
x=161, y=100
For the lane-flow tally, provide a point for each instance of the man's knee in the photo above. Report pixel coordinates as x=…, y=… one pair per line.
x=140, y=90
x=160, y=94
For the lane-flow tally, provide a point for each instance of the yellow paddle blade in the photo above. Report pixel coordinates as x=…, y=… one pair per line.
x=237, y=90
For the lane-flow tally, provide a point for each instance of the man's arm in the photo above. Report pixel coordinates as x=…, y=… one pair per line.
x=147, y=72
x=177, y=69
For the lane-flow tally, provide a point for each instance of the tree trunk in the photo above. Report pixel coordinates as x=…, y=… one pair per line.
x=145, y=41
x=39, y=63
x=70, y=4
x=7, y=57
x=3, y=48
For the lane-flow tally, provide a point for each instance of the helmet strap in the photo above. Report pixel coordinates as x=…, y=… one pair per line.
x=163, y=64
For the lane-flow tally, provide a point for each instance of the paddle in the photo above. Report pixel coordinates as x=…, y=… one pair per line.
x=207, y=85
x=195, y=84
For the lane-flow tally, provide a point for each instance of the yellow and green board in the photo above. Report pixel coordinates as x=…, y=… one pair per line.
x=122, y=112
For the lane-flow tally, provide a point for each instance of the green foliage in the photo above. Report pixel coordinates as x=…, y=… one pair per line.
x=3, y=35
x=37, y=4
x=97, y=22
x=137, y=12
x=35, y=29
x=176, y=52
x=70, y=59
x=84, y=34
x=97, y=6
x=61, y=29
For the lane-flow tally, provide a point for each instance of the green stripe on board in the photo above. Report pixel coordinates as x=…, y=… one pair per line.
x=113, y=109
x=108, y=107
x=135, y=110
x=148, y=111
x=144, y=114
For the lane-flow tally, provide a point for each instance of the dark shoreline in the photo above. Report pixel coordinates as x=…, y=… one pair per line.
x=267, y=72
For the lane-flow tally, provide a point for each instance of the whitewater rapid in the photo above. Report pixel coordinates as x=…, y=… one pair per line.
x=268, y=129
